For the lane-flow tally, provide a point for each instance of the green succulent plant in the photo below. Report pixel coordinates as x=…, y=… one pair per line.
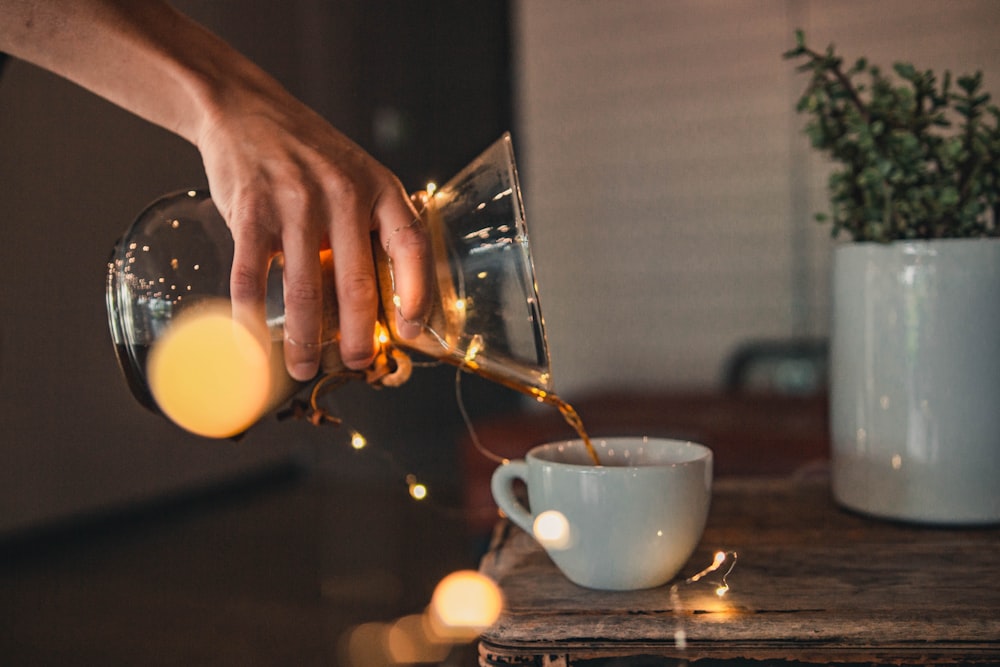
x=913, y=160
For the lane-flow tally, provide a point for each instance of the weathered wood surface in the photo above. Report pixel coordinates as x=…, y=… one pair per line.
x=812, y=583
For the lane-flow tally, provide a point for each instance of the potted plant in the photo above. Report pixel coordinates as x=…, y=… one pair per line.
x=915, y=329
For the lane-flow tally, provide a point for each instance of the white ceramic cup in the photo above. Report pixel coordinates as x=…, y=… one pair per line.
x=630, y=523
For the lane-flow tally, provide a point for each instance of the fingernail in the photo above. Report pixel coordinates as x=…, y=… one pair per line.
x=304, y=371
x=407, y=328
x=359, y=364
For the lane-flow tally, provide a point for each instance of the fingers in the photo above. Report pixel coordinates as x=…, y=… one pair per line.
x=259, y=231
x=248, y=278
x=303, y=292
x=406, y=241
x=354, y=275
x=298, y=227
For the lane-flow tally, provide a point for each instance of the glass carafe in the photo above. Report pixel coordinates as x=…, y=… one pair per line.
x=177, y=256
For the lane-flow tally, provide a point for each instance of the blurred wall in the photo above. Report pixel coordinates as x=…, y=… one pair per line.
x=74, y=173
x=669, y=190
x=422, y=85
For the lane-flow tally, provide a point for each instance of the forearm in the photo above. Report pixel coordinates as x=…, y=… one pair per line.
x=141, y=55
x=283, y=178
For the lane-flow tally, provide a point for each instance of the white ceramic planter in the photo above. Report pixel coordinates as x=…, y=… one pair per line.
x=915, y=380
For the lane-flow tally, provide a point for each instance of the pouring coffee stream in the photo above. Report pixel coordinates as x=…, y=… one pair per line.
x=175, y=260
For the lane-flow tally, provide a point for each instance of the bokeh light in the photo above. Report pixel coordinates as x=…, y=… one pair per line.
x=552, y=530
x=418, y=491
x=358, y=441
x=366, y=645
x=464, y=604
x=410, y=640
x=209, y=374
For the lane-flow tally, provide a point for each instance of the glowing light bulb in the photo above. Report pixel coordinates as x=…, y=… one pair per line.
x=552, y=530
x=720, y=558
x=358, y=441
x=475, y=347
x=431, y=188
x=464, y=604
x=418, y=491
x=209, y=374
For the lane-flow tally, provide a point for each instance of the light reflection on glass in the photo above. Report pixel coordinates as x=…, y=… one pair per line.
x=475, y=347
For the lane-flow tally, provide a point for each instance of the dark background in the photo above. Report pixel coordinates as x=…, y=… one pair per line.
x=423, y=86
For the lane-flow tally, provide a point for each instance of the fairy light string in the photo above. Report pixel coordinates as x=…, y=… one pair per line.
x=721, y=584
x=316, y=414
x=386, y=364
x=721, y=558
x=715, y=574
x=473, y=436
x=722, y=564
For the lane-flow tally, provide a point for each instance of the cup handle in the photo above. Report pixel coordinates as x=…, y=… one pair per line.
x=503, y=493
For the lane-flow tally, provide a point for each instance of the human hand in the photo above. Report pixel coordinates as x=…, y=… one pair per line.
x=286, y=181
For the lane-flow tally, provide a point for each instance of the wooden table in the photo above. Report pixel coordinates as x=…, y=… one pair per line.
x=812, y=583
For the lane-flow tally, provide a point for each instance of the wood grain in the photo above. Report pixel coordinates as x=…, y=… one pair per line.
x=812, y=583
